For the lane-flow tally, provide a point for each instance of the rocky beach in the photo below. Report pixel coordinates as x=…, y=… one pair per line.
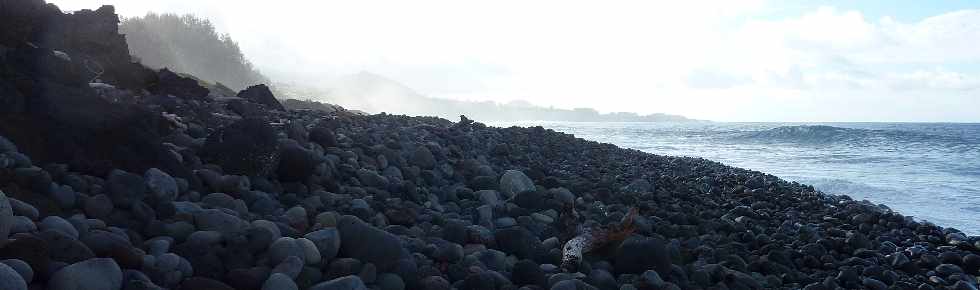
x=116, y=176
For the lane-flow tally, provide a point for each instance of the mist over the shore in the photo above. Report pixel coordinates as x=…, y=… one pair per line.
x=728, y=61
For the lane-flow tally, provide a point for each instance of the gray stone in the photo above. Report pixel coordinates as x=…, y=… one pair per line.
x=311, y=255
x=342, y=283
x=564, y=195
x=22, y=224
x=23, y=209
x=271, y=226
x=369, y=244
x=167, y=262
x=125, y=188
x=64, y=196
x=291, y=266
x=488, y=197
x=10, y=279
x=162, y=187
x=21, y=267
x=59, y=224
x=651, y=279
x=327, y=242
x=514, y=182
x=279, y=281
x=217, y=220
x=368, y=273
x=296, y=217
x=371, y=178
x=389, y=281
x=282, y=249
x=640, y=185
x=218, y=200
x=6, y=146
x=6, y=217
x=99, y=206
x=423, y=158
x=204, y=238
x=92, y=274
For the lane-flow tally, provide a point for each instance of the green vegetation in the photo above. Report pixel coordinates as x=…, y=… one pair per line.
x=190, y=45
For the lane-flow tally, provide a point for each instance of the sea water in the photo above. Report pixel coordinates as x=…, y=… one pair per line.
x=927, y=170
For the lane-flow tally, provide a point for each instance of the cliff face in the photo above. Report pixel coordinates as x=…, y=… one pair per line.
x=47, y=61
x=90, y=39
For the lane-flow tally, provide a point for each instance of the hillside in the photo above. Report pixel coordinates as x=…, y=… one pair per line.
x=189, y=44
x=374, y=93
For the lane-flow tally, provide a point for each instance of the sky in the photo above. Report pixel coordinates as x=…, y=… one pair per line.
x=756, y=60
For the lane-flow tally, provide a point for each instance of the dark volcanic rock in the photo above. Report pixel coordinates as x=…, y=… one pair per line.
x=369, y=244
x=247, y=147
x=296, y=164
x=518, y=241
x=99, y=273
x=323, y=135
x=199, y=283
x=262, y=95
x=170, y=83
x=637, y=254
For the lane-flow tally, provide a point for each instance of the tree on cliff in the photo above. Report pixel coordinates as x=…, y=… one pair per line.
x=189, y=44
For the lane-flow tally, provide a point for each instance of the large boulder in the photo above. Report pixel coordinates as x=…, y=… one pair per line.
x=517, y=241
x=125, y=188
x=296, y=164
x=163, y=188
x=423, y=158
x=246, y=147
x=262, y=95
x=514, y=182
x=638, y=254
x=170, y=83
x=92, y=274
x=369, y=244
x=6, y=217
x=324, y=136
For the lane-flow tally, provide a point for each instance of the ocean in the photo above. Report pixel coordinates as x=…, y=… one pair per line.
x=927, y=170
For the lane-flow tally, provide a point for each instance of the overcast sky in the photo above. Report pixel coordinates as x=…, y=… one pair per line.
x=716, y=60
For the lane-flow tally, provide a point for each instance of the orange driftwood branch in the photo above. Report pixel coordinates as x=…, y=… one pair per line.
x=595, y=238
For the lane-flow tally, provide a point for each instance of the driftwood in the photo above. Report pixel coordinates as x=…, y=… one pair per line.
x=595, y=238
